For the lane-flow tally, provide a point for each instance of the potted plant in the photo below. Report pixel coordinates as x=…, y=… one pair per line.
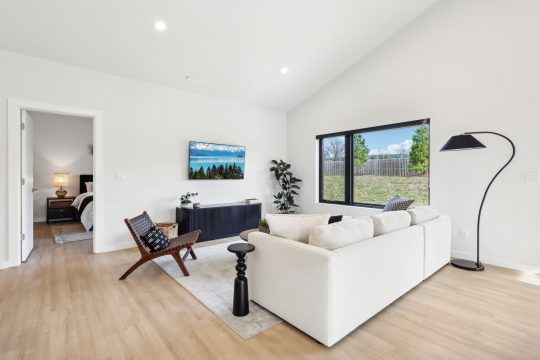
x=263, y=226
x=284, y=199
x=185, y=200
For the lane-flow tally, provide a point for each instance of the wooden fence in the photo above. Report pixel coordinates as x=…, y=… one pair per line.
x=379, y=167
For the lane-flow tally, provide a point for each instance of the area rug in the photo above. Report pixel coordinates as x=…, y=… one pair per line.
x=211, y=281
x=66, y=232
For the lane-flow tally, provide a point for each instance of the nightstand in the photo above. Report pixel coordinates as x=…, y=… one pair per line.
x=60, y=209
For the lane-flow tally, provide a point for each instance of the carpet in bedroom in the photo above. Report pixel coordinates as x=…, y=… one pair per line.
x=72, y=231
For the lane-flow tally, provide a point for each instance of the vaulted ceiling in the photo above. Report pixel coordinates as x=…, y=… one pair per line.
x=236, y=47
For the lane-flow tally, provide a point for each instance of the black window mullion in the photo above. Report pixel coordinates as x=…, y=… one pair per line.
x=348, y=170
x=321, y=170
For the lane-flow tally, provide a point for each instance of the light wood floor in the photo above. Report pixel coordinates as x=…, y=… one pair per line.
x=66, y=303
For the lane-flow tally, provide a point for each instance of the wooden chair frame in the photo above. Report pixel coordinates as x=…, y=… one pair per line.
x=140, y=225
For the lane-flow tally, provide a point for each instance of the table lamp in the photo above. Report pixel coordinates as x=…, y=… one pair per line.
x=61, y=179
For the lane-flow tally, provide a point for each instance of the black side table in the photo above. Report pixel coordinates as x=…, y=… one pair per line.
x=241, y=298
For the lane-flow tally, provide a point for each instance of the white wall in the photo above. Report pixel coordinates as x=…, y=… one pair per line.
x=146, y=133
x=60, y=145
x=468, y=65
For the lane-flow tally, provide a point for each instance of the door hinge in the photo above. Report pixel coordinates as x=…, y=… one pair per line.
x=23, y=126
x=23, y=181
x=23, y=237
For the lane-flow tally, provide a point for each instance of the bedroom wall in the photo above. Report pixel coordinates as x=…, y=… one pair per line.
x=468, y=65
x=146, y=133
x=60, y=145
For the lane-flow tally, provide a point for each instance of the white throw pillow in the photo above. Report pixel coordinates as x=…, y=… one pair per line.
x=343, y=233
x=89, y=186
x=420, y=214
x=295, y=227
x=390, y=221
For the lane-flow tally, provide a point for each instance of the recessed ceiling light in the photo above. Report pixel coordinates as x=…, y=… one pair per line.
x=160, y=26
x=284, y=70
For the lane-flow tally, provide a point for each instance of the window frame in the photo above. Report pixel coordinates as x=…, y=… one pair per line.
x=349, y=163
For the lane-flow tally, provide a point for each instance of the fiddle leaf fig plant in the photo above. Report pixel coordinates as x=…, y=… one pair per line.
x=284, y=199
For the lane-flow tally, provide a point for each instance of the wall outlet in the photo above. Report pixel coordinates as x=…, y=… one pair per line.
x=532, y=178
x=464, y=234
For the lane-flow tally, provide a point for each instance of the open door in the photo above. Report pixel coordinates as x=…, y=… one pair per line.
x=27, y=183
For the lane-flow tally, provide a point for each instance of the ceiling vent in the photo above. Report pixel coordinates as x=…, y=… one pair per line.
x=194, y=79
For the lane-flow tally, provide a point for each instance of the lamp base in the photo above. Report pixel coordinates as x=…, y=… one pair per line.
x=467, y=265
x=61, y=193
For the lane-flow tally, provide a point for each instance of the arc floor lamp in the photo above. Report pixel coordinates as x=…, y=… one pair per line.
x=467, y=141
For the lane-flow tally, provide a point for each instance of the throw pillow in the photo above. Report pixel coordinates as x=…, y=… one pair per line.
x=89, y=186
x=397, y=203
x=390, y=221
x=335, y=219
x=422, y=214
x=343, y=233
x=156, y=240
x=295, y=227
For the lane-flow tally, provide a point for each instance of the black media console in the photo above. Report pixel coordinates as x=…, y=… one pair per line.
x=218, y=221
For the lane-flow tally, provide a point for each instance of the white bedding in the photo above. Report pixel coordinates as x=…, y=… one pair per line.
x=79, y=199
x=87, y=216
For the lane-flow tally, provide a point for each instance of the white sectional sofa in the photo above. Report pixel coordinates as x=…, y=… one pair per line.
x=328, y=293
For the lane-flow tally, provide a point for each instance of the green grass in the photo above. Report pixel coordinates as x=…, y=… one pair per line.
x=372, y=189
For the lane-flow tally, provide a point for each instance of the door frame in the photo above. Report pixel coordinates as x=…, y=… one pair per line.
x=15, y=106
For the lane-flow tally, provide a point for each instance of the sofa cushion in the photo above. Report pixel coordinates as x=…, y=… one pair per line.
x=422, y=214
x=295, y=227
x=343, y=233
x=390, y=221
x=397, y=203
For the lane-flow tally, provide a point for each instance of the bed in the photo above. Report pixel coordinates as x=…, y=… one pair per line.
x=84, y=203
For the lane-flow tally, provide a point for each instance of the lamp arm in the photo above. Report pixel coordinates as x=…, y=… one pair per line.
x=489, y=185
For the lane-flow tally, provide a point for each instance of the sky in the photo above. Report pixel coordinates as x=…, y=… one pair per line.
x=394, y=141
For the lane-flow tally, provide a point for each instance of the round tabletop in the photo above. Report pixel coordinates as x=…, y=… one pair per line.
x=241, y=248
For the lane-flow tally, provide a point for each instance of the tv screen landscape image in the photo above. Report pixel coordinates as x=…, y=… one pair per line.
x=209, y=161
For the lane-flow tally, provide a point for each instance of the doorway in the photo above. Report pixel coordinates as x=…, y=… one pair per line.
x=31, y=192
x=57, y=170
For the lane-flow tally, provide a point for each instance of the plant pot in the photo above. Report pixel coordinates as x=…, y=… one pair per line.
x=264, y=229
x=187, y=206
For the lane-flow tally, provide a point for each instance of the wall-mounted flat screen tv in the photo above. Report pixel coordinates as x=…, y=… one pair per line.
x=209, y=161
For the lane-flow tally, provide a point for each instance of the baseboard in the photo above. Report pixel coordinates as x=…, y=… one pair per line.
x=494, y=261
x=36, y=220
x=115, y=246
x=4, y=264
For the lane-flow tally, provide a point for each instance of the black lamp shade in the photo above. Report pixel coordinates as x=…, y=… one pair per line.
x=462, y=142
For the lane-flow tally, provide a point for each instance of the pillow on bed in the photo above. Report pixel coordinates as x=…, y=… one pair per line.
x=89, y=186
x=156, y=240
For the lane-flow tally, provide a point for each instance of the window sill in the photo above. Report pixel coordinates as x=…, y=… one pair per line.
x=367, y=206
x=347, y=209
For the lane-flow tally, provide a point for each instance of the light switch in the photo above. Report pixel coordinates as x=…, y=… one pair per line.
x=120, y=176
x=532, y=178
